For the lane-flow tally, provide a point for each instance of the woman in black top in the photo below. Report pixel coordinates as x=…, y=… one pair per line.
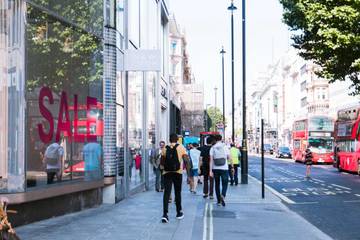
x=308, y=162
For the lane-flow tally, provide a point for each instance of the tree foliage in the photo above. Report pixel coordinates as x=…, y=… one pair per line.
x=61, y=55
x=327, y=32
x=216, y=117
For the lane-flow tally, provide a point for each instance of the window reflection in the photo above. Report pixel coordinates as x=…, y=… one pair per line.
x=64, y=99
x=135, y=157
x=88, y=15
x=151, y=120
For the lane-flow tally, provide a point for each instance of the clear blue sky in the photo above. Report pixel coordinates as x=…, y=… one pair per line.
x=207, y=24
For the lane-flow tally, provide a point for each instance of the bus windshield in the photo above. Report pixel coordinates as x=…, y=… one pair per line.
x=321, y=144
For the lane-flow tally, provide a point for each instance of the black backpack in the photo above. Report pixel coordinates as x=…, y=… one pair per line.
x=172, y=162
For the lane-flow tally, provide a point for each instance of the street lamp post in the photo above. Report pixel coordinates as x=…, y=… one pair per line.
x=223, y=85
x=244, y=155
x=232, y=8
x=207, y=117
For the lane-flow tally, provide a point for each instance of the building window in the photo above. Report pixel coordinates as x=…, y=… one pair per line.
x=303, y=86
x=173, y=47
x=303, y=102
x=134, y=22
x=303, y=69
x=174, y=69
x=64, y=95
x=323, y=93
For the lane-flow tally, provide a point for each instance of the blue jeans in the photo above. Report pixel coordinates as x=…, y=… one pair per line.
x=222, y=175
x=159, y=179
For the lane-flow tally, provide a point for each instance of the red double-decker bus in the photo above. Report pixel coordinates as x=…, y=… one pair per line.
x=316, y=132
x=347, y=131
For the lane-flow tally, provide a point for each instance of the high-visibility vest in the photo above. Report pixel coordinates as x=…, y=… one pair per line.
x=234, y=154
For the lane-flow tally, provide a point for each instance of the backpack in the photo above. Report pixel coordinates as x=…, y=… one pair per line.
x=219, y=155
x=172, y=162
x=52, y=154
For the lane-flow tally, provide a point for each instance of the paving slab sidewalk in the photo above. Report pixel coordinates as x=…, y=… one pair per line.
x=245, y=216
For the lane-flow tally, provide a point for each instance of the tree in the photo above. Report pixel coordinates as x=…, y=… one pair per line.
x=216, y=117
x=328, y=33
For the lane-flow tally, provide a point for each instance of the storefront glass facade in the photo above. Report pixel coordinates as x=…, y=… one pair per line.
x=51, y=53
x=52, y=91
x=12, y=103
x=151, y=142
x=63, y=92
x=136, y=131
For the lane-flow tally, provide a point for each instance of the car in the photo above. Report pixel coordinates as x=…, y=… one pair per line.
x=268, y=149
x=284, y=152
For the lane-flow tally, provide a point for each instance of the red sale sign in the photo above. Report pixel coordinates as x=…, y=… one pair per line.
x=64, y=125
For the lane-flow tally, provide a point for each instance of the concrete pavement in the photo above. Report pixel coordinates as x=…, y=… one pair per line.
x=245, y=216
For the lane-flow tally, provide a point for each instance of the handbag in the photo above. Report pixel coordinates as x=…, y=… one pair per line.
x=219, y=161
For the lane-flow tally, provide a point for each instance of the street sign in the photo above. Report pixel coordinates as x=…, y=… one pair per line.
x=142, y=60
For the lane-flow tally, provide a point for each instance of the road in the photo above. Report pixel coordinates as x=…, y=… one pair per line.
x=330, y=200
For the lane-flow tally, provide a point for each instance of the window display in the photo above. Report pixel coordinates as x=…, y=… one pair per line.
x=64, y=99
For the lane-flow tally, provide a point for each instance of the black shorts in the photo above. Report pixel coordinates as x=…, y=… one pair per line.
x=309, y=163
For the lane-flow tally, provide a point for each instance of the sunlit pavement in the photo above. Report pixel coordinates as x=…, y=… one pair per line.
x=330, y=200
x=246, y=216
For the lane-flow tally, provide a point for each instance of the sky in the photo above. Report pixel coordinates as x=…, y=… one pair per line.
x=207, y=27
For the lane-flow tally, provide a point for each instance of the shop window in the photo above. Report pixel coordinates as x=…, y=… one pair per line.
x=135, y=123
x=64, y=97
x=120, y=128
x=152, y=144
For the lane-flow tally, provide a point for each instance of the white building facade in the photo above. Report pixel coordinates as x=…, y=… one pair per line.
x=289, y=91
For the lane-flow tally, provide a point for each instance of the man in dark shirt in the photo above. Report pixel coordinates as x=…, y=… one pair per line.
x=204, y=164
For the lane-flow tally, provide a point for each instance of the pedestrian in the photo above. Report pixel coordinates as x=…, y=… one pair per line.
x=308, y=162
x=219, y=155
x=194, y=172
x=187, y=165
x=155, y=158
x=53, y=162
x=172, y=158
x=235, y=156
x=92, y=156
x=204, y=164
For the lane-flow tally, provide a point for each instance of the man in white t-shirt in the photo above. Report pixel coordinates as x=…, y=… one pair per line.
x=219, y=154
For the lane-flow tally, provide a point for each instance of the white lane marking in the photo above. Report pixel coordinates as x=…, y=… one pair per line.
x=276, y=193
x=304, y=203
x=205, y=227
x=335, y=185
x=211, y=230
x=352, y=201
x=358, y=195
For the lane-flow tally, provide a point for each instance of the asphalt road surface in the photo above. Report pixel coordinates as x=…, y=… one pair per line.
x=329, y=200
